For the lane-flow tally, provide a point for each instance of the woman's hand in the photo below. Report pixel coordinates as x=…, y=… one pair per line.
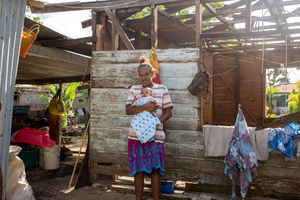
x=151, y=107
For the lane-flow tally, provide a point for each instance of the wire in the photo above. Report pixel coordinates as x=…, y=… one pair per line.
x=224, y=72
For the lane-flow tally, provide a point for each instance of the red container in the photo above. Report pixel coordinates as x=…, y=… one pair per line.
x=33, y=136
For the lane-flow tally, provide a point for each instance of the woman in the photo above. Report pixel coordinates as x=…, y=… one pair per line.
x=148, y=157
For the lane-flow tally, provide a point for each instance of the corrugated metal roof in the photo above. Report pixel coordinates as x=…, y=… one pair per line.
x=12, y=14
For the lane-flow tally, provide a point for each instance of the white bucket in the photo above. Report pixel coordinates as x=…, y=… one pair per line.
x=51, y=157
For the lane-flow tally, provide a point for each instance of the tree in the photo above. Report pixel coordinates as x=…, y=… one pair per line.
x=270, y=96
x=294, y=100
x=274, y=77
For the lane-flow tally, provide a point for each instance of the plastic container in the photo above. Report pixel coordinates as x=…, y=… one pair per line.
x=29, y=158
x=51, y=157
x=28, y=37
x=33, y=136
x=21, y=110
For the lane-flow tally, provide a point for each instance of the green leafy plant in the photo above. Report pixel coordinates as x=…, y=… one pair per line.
x=294, y=100
x=67, y=95
x=270, y=96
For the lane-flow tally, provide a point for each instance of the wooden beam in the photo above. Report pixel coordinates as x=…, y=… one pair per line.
x=122, y=14
x=154, y=26
x=35, y=4
x=119, y=29
x=294, y=117
x=70, y=42
x=164, y=13
x=237, y=85
x=198, y=23
x=244, y=106
x=114, y=34
x=58, y=136
x=94, y=24
x=86, y=23
x=101, y=5
x=221, y=18
x=251, y=34
x=248, y=18
x=55, y=80
x=209, y=15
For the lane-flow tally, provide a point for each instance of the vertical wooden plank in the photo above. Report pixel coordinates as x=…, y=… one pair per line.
x=100, y=33
x=115, y=35
x=154, y=26
x=263, y=74
x=237, y=82
x=248, y=18
x=119, y=29
x=59, y=118
x=198, y=23
x=207, y=100
x=94, y=23
x=137, y=36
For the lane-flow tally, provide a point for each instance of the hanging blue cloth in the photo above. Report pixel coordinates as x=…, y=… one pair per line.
x=241, y=161
x=281, y=141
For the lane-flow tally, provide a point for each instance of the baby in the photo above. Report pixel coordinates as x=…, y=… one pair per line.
x=146, y=92
x=144, y=123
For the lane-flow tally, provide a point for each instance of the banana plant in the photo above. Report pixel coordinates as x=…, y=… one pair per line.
x=67, y=95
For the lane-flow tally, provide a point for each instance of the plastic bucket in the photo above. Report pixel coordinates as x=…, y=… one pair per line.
x=51, y=157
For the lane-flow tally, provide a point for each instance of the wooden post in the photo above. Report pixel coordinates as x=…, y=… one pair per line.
x=207, y=100
x=237, y=83
x=119, y=28
x=198, y=23
x=94, y=23
x=248, y=18
x=59, y=119
x=154, y=26
x=115, y=35
x=100, y=33
x=137, y=36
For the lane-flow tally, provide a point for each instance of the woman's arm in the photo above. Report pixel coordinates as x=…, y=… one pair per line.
x=167, y=115
x=132, y=110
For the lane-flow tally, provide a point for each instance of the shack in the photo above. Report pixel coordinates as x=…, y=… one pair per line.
x=235, y=57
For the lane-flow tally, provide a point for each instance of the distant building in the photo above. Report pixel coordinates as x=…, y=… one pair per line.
x=280, y=104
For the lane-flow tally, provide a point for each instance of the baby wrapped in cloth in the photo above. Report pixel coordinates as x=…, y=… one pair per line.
x=144, y=123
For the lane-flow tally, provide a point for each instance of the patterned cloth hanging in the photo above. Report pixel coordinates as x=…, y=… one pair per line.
x=241, y=161
x=281, y=141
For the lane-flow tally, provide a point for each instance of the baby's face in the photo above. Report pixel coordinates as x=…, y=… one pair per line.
x=146, y=92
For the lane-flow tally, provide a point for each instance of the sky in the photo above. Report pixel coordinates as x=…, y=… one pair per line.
x=69, y=24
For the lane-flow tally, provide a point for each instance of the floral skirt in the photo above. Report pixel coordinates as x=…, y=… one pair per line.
x=143, y=157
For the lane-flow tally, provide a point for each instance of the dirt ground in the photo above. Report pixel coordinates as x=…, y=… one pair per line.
x=48, y=185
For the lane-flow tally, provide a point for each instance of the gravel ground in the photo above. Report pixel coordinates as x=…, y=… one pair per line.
x=51, y=189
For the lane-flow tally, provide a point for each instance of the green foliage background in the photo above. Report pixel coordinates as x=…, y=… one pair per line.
x=294, y=100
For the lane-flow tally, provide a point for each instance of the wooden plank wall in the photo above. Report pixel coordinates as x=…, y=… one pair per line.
x=244, y=76
x=112, y=74
x=275, y=174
